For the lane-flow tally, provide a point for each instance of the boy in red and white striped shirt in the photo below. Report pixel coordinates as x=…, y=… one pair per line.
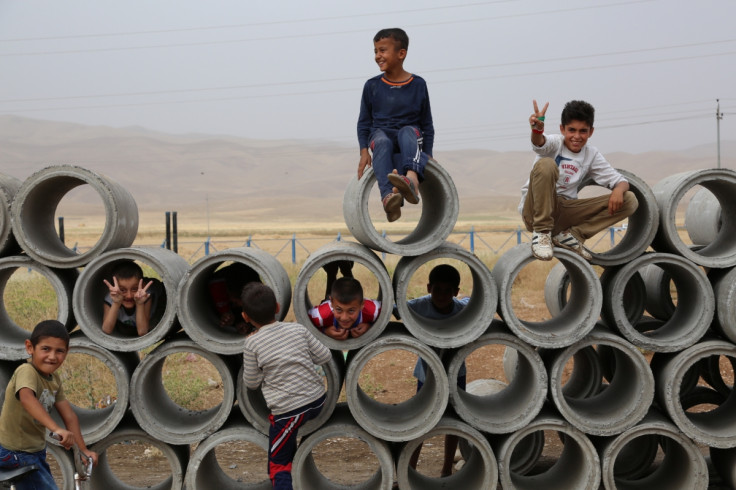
x=346, y=313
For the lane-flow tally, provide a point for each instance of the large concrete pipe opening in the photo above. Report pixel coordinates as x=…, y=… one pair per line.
x=410, y=417
x=569, y=460
x=681, y=466
x=34, y=208
x=465, y=326
x=523, y=395
x=366, y=264
x=670, y=191
x=640, y=228
x=690, y=319
x=97, y=387
x=233, y=458
x=617, y=405
x=479, y=471
x=9, y=186
x=23, y=279
x=439, y=203
x=658, y=285
x=579, y=314
x=311, y=468
x=703, y=218
x=170, y=420
x=90, y=291
x=210, y=292
x=708, y=423
x=113, y=470
x=253, y=406
x=724, y=290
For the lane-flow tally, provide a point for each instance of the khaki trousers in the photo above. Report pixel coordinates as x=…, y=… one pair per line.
x=545, y=210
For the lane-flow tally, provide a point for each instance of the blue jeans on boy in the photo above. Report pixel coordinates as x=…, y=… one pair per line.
x=36, y=480
x=282, y=441
x=397, y=149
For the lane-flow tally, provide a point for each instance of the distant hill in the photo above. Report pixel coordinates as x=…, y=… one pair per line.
x=272, y=180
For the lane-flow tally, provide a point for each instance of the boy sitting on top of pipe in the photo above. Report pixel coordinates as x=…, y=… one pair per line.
x=346, y=313
x=395, y=118
x=129, y=305
x=549, y=204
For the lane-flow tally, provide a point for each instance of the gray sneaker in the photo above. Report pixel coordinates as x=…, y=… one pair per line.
x=542, y=245
x=567, y=240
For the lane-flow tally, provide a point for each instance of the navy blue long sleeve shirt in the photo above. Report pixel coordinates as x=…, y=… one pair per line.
x=390, y=105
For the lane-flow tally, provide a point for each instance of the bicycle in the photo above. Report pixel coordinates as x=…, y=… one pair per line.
x=82, y=464
x=9, y=477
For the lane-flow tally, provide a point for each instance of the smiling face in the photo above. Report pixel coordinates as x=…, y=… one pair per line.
x=346, y=313
x=48, y=354
x=128, y=287
x=389, y=57
x=576, y=134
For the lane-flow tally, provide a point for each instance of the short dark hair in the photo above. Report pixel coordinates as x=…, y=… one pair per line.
x=49, y=328
x=259, y=303
x=577, y=110
x=127, y=269
x=445, y=273
x=346, y=290
x=398, y=35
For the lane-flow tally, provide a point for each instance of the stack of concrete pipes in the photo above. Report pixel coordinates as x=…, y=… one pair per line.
x=623, y=422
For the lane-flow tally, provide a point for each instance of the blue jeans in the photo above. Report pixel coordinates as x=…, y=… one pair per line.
x=400, y=150
x=36, y=480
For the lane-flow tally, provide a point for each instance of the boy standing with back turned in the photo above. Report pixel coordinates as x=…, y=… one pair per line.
x=281, y=356
x=549, y=204
x=395, y=117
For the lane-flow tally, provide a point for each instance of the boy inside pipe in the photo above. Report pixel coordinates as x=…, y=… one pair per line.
x=132, y=302
x=346, y=313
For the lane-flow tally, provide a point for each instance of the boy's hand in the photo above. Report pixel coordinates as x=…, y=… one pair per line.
x=365, y=161
x=537, y=119
x=67, y=438
x=359, y=329
x=616, y=200
x=337, y=333
x=115, y=294
x=91, y=455
x=142, y=295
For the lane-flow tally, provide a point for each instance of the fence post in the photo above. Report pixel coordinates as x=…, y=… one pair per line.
x=293, y=248
x=207, y=246
x=247, y=243
x=174, y=232
x=472, y=239
x=168, y=230
x=518, y=235
x=61, y=229
x=613, y=236
x=338, y=236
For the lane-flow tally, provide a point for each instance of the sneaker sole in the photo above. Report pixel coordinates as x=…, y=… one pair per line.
x=571, y=249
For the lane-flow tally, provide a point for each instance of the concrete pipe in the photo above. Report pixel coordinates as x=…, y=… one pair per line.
x=128, y=431
x=65, y=461
x=682, y=466
x=204, y=471
x=8, y=188
x=13, y=336
x=195, y=306
x=344, y=251
x=721, y=251
x=467, y=325
x=641, y=227
x=659, y=297
x=516, y=405
x=90, y=291
x=703, y=218
x=575, y=320
x=440, y=208
x=253, y=405
x=715, y=428
x=342, y=425
x=586, y=377
x=691, y=318
x=724, y=462
x=400, y=421
x=96, y=424
x=724, y=290
x=620, y=404
x=163, y=418
x=577, y=467
x=34, y=208
x=479, y=471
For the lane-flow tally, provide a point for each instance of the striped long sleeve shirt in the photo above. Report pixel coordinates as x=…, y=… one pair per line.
x=281, y=357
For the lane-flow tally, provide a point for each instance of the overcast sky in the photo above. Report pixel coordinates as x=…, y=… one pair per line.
x=293, y=69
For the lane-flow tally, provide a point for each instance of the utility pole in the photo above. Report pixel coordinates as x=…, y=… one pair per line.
x=719, y=116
